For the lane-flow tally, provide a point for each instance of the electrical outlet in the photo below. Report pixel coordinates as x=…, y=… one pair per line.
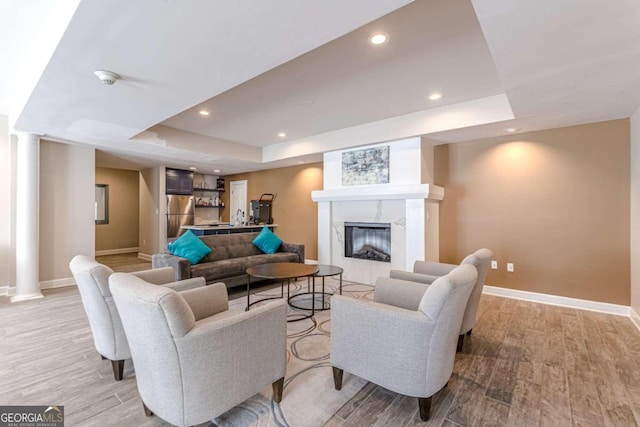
x=494, y=265
x=144, y=242
x=510, y=267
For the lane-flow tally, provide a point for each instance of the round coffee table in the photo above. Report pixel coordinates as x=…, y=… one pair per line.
x=324, y=270
x=284, y=271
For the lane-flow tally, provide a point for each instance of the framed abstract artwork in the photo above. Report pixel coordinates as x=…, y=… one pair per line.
x=366, y=166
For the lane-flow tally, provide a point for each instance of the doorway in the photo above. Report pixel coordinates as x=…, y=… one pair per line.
x=238, y=201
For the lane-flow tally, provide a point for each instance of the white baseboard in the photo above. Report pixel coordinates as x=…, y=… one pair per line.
x=581, y=304
x=117, y=251
x=57, y=283
x=311, y=261
x=145, y=257
x=45, y=284
x=635, y=317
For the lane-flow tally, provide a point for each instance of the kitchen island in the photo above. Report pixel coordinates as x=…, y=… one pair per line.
x=225, y=228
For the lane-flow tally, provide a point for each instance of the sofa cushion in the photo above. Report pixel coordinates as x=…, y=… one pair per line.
x=189, y=246
x=220, y=270
x=227, y=246
x=267, y=241
x=270, y=258
x=213, y=271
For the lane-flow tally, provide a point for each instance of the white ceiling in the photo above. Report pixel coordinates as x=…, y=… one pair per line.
x=305, y=68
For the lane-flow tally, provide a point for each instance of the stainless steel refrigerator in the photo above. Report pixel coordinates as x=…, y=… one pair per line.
x=179, y=213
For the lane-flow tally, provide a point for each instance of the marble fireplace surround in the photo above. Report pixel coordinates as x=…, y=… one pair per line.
x=405, y=207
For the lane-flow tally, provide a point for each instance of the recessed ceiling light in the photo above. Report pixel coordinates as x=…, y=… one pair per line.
x=435, y=96
x=217, y=171
x=204, y=113
x=193, y=168
x=377, y=39
x=511, y=130
x=282, y=134
x=300, y=162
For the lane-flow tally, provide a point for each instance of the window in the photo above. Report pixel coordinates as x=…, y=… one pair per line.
x=102, y=204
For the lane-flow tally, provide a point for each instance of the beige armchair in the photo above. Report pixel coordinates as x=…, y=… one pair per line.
x=414, y=284
x=410, y=352
x=194, y=358
x=106, y=328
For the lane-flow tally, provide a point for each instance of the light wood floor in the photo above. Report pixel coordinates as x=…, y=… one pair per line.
x=125, y=263
x=525, y=364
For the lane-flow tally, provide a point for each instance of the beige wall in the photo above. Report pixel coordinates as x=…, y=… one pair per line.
x=555, y=203
x=635, y=213
x=293, y=210
x=7, y=250
x=122, y=230
x=67, y=178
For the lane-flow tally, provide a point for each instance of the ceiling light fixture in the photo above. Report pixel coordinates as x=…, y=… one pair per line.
x=193, y=168
x=377, y=39
x=282, y=134
x=511, y=130
x=107, y=77
x=300, y=162
x=217, y=171
x=204, y=113
x=435, y=96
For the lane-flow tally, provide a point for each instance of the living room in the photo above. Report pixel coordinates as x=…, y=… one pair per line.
x=536, y=150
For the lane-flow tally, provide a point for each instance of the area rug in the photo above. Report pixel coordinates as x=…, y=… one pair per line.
x=309, y=397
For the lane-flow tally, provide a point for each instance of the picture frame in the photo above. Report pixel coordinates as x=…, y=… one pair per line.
x=366, y=166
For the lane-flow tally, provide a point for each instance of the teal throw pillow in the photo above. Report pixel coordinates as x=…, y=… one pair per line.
x=266, y=241
x=190, y=247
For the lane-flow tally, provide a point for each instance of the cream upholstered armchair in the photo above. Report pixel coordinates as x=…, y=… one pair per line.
x=414, y=284
x=194, y=358
x=92, y=279
x=410, y=352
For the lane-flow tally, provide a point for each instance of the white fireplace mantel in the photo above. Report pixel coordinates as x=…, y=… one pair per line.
x=380, y=192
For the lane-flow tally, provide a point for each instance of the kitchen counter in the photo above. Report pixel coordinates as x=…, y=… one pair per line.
x=225, y=228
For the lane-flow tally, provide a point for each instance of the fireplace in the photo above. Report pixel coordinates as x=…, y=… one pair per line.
x=404, y=212
x=366, y=240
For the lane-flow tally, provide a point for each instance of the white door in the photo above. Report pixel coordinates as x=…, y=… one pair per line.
x=238, y=201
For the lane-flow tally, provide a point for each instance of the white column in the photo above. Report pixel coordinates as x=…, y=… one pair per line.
x=27, y=218
x=415, y=232
x=324, y=233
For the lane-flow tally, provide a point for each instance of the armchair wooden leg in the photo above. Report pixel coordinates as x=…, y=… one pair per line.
x=118, y=368
x=460, y=343
x=277, y=390
x=424, y=403
x=147, y=411
x=337, y=377
x=469, y=333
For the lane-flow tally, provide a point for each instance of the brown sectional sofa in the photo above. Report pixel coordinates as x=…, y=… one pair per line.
x=230, y=256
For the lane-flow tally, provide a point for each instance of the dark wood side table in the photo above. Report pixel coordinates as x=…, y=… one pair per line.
x=283, y=271
x=324, y=270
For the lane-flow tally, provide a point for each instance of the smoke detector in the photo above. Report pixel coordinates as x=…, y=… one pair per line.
x=107, y=77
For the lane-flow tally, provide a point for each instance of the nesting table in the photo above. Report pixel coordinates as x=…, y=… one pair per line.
x=324, y=270
x=285, y=271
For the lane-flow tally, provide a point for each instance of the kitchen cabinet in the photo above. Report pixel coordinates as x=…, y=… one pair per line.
x=205, y=230
x=179, y=181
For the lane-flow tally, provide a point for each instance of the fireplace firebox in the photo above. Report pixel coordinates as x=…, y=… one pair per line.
x=367, y=240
